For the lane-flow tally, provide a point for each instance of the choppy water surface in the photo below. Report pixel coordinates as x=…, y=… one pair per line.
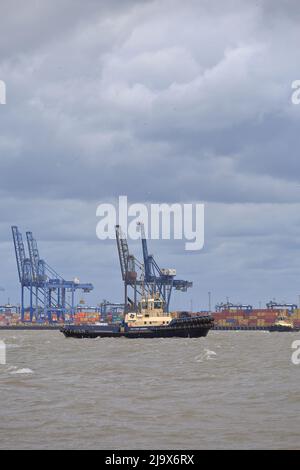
x=230, y=390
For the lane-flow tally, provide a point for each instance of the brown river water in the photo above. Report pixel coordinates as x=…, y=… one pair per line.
x=230, y=390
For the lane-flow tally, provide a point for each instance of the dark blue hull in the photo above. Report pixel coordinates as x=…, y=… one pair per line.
x=182, y=328
x=278, y=328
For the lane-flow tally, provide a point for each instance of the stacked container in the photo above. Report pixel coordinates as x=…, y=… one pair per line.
x=257, y=318
x=86, y=318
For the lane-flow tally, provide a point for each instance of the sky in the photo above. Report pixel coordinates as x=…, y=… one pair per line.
x=166, y=102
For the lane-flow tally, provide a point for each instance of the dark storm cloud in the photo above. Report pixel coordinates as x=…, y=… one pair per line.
x=163, y=101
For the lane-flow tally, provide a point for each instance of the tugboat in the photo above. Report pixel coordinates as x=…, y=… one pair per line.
x=283, y=323
x=149, y=321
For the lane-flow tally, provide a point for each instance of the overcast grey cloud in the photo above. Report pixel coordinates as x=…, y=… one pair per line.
x=164, y=101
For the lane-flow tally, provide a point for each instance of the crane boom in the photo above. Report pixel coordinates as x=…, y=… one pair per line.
x=123, y=251
x=19, y=250
x=146, y=257
x=33, y=254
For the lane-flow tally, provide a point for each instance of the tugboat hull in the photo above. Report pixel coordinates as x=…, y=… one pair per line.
x=278, y=329
x=184, y=328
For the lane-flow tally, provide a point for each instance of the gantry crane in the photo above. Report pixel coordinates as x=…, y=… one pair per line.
x=229, y=306
x=162, y=279
x=47, y=289
x=152, y=279
x=272, y=304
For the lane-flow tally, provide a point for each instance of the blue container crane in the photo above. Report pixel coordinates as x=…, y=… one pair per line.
x=230, y=306
x=47, y=289
x=162, y=280
x=273, y=305
x=24, y=269
x=151, y=279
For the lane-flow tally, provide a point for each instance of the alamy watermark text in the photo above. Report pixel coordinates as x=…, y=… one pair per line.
x=2, y=353
x=2, y=92
x=161, y=221
x=296, y=354
x=296, y=94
